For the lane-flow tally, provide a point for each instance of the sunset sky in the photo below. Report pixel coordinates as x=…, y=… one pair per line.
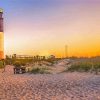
x=44, y=27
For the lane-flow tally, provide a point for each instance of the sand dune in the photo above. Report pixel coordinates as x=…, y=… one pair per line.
x=64, y=86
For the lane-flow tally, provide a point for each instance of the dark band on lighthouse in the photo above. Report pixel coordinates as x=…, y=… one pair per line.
x=1, y=20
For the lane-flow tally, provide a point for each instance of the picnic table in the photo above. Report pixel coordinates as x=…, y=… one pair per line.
x=19, y=70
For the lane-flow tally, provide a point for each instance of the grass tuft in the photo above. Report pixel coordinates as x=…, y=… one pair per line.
x=39, y=71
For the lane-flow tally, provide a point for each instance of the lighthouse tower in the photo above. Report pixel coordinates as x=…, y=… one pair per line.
x=1, y=35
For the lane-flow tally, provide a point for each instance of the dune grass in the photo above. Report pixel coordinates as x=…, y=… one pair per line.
x=84, y=67
x=38, y=70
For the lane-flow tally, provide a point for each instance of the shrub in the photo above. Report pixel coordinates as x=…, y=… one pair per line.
x=1, y=64
x=97, y=66
x=17, y=64
x=39, y=71
x=81, y=67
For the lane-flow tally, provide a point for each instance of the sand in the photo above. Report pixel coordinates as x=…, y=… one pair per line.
x=63, y=86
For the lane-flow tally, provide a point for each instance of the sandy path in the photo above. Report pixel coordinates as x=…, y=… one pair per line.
x=65, y=86
x=57, y=69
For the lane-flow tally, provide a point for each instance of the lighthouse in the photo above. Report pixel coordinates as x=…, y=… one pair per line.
x=1, y=35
